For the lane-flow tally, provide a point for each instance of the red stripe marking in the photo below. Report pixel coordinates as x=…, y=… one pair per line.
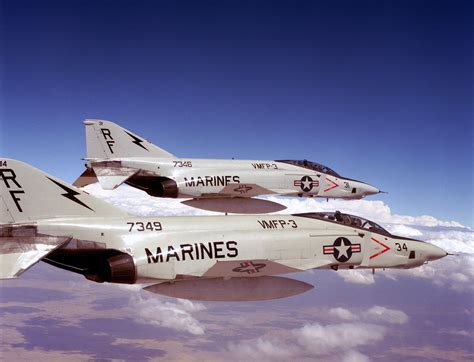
x=386, y=248
x=332, y=187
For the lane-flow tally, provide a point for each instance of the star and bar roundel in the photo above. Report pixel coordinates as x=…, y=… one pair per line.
x=306, y=183
x=249, y=267
x=342, y=249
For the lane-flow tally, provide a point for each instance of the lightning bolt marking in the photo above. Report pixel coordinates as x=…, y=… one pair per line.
x=137, y=141
x=70, y=194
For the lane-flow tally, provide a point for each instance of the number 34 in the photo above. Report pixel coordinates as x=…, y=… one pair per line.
x=401, y=247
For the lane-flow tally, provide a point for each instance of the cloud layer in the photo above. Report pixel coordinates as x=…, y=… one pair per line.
x=175, y=315
x=333, y=341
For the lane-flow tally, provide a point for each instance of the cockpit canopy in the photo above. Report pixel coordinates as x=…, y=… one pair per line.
x=349, y=220
x=311, y=166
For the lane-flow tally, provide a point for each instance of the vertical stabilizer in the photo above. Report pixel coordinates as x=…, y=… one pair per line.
x=28, y=194
x=107, y=140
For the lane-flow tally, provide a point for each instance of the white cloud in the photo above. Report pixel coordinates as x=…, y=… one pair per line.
x=177, y=316
x=374, y=210
x=139, y=203
x=339, y=341
x=454, y=272
x=129, y=287
x=374, y=314
x=454, y=241
x=354, y=356
x=357, y=276
x=403, y=230
x=265, y=349
x=423, y=220
x=322, y=340
x=382, y=314
x=342, y=313
x=458, y=332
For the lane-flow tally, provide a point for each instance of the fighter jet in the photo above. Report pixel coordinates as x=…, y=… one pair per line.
x=219, y=258
x=116, y=155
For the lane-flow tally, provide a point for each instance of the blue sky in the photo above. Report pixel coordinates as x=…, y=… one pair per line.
x=379, y=91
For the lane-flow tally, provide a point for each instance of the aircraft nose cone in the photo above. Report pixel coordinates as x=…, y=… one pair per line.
x=434, y=253
x=369, y=189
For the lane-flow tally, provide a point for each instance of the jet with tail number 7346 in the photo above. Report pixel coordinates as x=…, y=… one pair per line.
x=116, y=155
x=220, y=258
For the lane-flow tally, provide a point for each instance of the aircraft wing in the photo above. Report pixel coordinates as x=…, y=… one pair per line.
x=237, y=198
x=257, y=267
x=244, y=190
x=241, y=281
x=306, y=264
x=246, y=268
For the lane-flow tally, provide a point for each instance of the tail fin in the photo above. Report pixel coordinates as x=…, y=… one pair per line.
x=107, y=140
x=28, y=194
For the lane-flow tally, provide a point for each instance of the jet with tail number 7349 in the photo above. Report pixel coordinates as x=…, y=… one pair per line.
x=220, y=258
x=116, y=155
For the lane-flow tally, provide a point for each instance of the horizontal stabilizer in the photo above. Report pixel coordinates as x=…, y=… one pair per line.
x=112, y=177
x=237, y=205
x=233, y=289
x=88, y=177
x=21, y=248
